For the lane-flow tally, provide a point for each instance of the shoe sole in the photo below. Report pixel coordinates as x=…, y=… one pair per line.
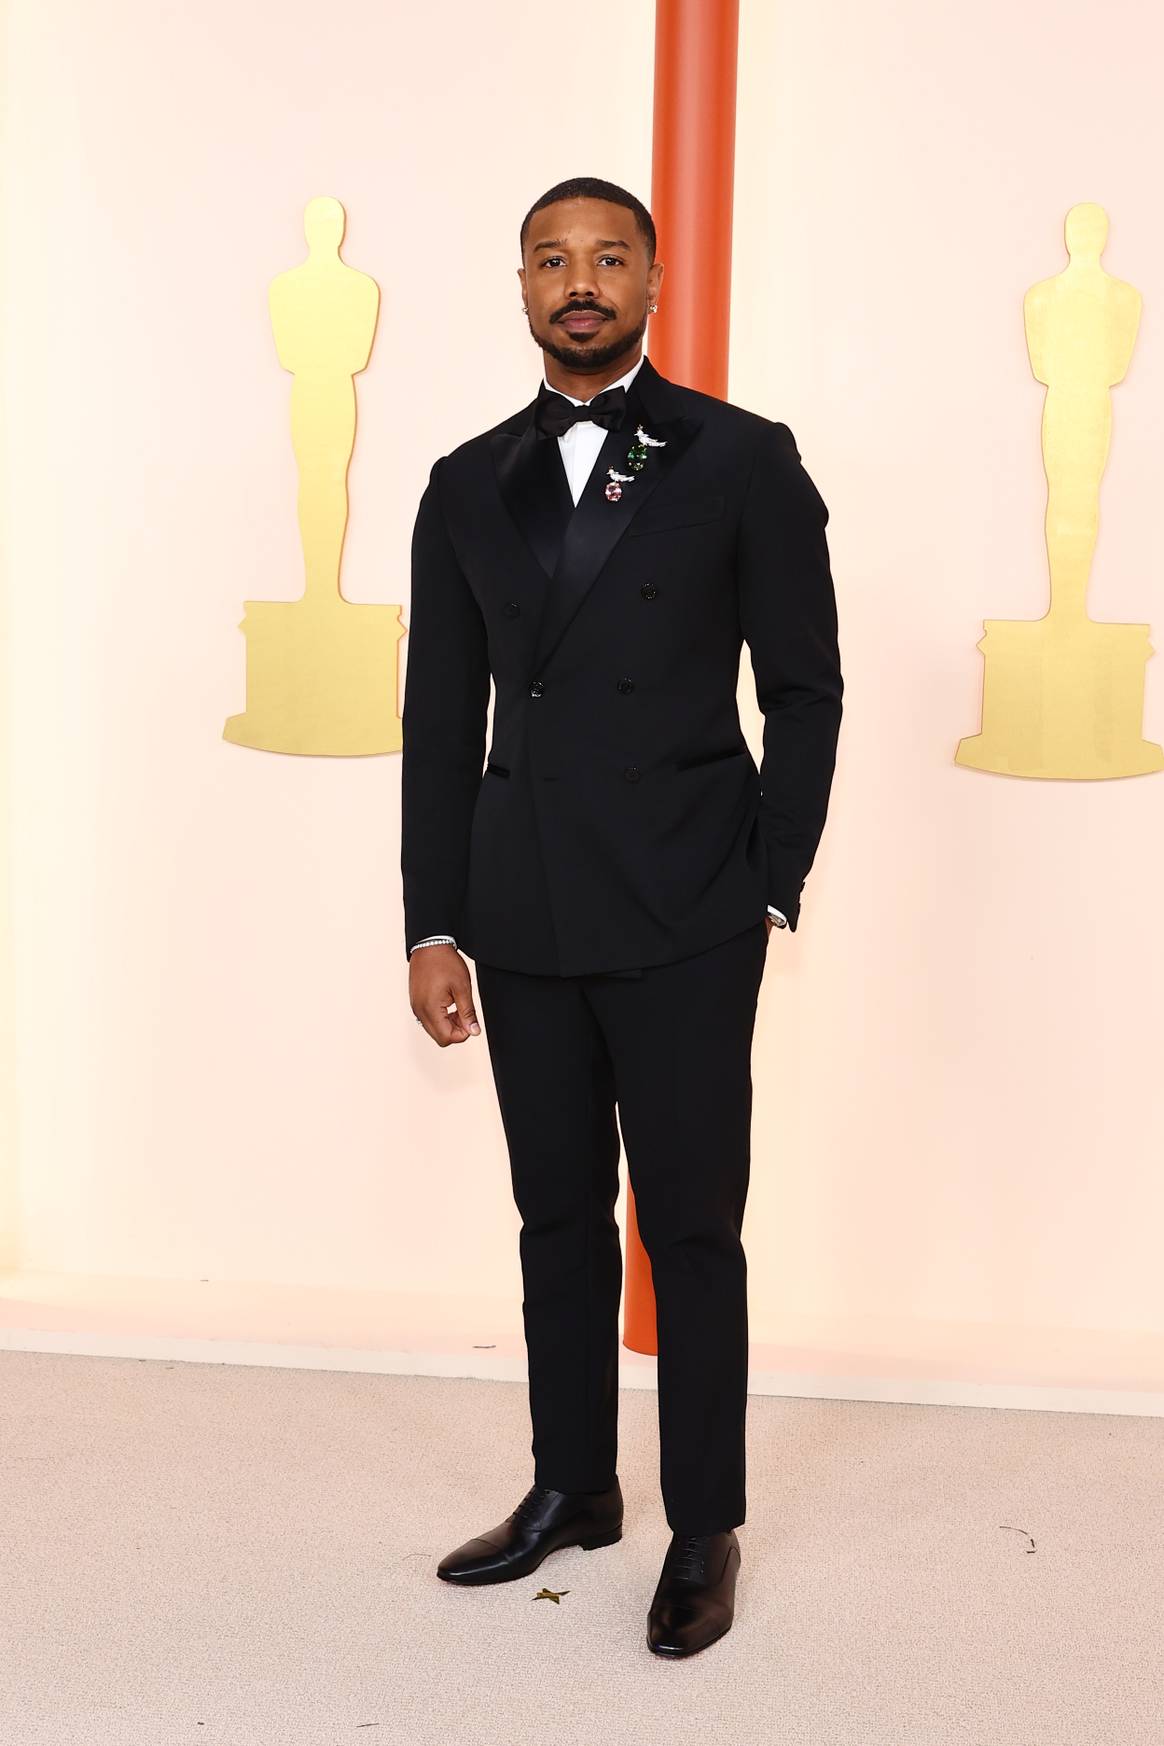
x=599, y=1540
x=590, y=1544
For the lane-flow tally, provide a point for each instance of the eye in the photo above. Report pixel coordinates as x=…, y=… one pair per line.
x=551, y=259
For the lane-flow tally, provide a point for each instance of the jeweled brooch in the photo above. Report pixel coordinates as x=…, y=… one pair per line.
x=636, y=460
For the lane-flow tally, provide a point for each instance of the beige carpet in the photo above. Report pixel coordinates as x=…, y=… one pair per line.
x=230, y=1556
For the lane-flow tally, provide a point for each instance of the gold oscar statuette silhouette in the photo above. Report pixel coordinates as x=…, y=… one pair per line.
x=321, y=670
x=1063, y=695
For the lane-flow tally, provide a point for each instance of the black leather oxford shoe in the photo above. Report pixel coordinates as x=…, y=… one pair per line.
x=543, y=1521
x=695, y=1599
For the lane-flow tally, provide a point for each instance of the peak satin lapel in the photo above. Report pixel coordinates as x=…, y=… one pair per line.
x=533, y=482
x=597, y=525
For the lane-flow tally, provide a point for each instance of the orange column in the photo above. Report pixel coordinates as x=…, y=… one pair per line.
x=692, y=187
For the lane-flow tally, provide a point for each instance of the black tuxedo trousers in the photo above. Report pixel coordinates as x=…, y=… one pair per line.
x=669, y=1050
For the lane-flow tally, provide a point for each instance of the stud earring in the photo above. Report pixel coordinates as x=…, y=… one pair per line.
x=653, y=307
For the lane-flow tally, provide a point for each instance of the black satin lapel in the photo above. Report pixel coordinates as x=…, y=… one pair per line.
x=597, y=524
x=533, y=483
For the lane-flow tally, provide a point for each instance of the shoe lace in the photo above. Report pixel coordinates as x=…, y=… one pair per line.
x=529, y=1503
x=689, y=1554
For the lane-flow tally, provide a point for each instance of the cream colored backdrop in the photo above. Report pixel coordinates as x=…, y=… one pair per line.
x=217, y=1075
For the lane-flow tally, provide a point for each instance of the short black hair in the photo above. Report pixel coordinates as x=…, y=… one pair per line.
x=595, y=188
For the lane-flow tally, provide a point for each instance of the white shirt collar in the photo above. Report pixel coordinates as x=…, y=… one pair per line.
x=623, y=382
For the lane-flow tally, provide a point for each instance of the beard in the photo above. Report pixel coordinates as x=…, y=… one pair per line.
x=584, y=356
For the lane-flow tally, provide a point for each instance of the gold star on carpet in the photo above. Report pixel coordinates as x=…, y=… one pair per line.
x=551, y=1594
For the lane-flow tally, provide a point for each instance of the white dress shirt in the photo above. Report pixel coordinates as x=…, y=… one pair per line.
x=580, y=444
x=579, y=447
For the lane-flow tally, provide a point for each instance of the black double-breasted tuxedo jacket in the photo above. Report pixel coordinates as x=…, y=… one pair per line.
x=618, y=819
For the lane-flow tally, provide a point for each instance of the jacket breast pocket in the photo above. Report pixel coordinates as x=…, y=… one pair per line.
x=660, y=518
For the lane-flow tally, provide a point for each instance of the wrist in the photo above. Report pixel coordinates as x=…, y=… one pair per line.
x=432, y=940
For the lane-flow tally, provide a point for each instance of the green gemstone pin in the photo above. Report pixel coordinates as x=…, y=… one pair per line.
x=636, y=460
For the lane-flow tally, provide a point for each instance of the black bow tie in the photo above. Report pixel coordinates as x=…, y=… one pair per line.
x=554, y=414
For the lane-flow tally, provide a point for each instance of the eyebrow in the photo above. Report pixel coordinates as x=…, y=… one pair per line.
x=604, y=242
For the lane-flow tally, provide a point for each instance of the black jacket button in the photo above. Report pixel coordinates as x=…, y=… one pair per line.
x=631, y=772
x=648, y=590
x=511, y=609
x=537, y=688
x=626, y=684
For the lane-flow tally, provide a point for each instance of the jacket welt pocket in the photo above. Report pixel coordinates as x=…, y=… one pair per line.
x=688, y=514
x=711, y=757
x=492, y=769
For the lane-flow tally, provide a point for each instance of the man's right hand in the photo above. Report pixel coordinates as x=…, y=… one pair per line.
x=437, y=978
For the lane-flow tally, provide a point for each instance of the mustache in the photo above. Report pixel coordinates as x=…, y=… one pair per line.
x=583, y=309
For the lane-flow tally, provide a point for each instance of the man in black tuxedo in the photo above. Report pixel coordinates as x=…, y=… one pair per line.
x=616, y=868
